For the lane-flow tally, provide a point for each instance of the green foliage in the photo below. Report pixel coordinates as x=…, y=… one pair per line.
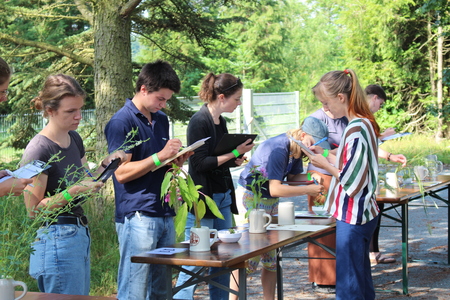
x=259, y=176
x=416, y=146
x=179, y=191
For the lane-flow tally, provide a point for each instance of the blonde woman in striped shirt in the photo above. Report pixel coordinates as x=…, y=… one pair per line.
x=351, y=199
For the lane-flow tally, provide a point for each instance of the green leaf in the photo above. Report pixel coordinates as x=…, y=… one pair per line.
x=213, y=207
x=180, y=219
x=184, y=190
x=201, y=209
x=165, y=184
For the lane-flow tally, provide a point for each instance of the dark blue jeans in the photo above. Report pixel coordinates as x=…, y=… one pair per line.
x=353, y=273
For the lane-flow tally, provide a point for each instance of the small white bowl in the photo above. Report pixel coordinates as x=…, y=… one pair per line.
x=226, y=237
x=319, y=210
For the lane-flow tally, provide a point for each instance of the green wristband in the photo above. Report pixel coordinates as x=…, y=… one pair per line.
x=66, y=195
x=308, y=176
x=236, y=153
x=156, y=160
x=325, y=152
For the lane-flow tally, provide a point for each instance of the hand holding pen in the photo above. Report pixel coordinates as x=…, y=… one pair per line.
x=317, y=183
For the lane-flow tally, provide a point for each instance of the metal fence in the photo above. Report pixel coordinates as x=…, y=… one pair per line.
x=266, y=114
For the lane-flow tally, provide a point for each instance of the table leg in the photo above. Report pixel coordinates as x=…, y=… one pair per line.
x=169, y=282
x=279, y=275
x=405, y=247
x=448, y=219
x=242, y=284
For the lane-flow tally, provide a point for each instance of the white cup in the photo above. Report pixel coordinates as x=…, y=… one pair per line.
x=200, y=239
x=421, y=172
x=286, y=214
x=257, y=223
x=392, y=180
x=7, y=289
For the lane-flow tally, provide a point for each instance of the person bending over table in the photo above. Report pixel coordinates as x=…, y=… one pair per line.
x=351, y=198
x=281, y=158
x=60, y=261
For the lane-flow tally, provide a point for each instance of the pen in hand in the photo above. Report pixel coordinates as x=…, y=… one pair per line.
x=320, y=141
x=166, y=139
x=316, y=183
x=90, y=174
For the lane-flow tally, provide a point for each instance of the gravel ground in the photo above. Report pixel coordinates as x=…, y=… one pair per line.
x=429, y=273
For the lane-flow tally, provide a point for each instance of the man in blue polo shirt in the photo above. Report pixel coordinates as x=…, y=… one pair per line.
x=142, y=222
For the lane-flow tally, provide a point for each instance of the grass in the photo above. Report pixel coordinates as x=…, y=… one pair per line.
x=104, y=250
x=416, y=147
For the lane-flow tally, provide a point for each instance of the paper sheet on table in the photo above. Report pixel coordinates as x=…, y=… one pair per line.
x=167, y=251
x=188, y=241
x=297, y=227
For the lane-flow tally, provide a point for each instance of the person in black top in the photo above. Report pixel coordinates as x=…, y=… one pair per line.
x=222, y=93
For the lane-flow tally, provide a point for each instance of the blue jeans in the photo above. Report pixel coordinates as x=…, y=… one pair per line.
x=61, y=259
x=136, y=235
x=353, y=273
x=223, y=201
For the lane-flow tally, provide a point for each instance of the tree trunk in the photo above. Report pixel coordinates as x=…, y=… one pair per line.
x=112, y=67
x=440, y=43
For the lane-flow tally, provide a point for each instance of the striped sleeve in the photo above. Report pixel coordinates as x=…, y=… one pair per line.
x=352, y=197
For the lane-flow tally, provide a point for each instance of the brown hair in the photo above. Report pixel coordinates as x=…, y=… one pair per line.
x=214, y=85
x=5, y=71
x=345, y=82
x=56, y=87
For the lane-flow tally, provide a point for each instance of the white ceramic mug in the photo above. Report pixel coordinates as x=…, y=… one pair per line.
x=421, y=172
x=257, y=222
x=286, y=214
x=7, y=289
x=200, y=239
x=392, y=180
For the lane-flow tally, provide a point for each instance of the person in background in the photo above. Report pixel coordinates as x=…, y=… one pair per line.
x=142, y=222
x=60, y=261
x=222, y=94
x=351, y=198
x=12, y=185
x=376, y=98
x=281, y=158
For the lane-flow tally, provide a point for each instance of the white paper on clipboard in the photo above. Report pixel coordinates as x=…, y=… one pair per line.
x=27, y=171
x=191, y=147
x=302, y=145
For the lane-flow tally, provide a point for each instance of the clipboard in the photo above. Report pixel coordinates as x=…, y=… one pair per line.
x=28, y=171
x=109, y=170
x=394, y=136
x=191, y=147
x=302, y=146
x=230, y=141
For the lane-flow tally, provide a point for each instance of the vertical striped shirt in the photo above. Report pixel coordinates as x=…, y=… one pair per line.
x=352, y=198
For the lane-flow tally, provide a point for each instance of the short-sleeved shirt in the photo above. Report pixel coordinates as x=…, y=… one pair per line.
x=275, y=157
x=352, y=198
x=66, y=166
x=141, y=194
x=335, y=129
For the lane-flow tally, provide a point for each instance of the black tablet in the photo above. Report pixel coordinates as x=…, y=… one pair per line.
x=109, y=170
x=230, y=141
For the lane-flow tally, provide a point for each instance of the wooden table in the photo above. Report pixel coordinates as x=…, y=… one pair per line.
x=230, y=256
x=401, y=197
x=47, y=296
